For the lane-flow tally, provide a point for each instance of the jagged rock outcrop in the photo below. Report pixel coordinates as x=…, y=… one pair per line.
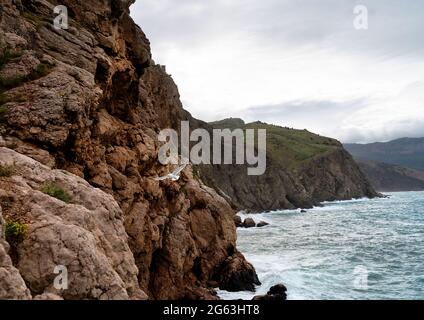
x=87, y=236
x=237, y=274
x=303, y=169
x=90, y=101
x=275, y=293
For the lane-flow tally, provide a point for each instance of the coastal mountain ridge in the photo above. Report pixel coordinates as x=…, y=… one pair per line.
x=303, y=170
x=406, y=152
x=396, y=165
x=392, y=178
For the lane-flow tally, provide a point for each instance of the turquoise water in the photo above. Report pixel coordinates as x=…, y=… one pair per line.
x=359, y=249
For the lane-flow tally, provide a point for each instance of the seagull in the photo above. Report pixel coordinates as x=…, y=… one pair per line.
x=174, y=176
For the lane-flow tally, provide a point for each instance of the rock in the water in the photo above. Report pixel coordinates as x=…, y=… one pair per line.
x=238, y=221
x=303, y=211
x=249, y=223
x=262, y=224
x=279, y=289
x=236, y=274
x=275, y=293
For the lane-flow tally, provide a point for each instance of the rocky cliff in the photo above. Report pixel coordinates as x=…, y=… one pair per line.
x=303, y=169
x=80, y=110
x=390, y=177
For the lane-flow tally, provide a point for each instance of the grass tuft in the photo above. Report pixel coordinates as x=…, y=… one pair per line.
x=40, y=71
x=7, y=171
x=3, y=99
x=56, y=191
x=3, y=113
x=8, y=55
x=15, y=232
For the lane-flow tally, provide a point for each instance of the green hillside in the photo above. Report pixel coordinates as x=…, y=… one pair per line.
x=287, y=147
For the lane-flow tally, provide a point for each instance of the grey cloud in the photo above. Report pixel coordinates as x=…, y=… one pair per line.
x=395, y=26
x=305, y=114
x=393, y=130
x=329, y=118
x=277, y=25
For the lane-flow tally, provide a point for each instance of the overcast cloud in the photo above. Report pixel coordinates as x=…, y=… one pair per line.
x=295, y=63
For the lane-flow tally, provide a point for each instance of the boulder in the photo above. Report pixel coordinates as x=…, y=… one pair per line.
x=262, y=224
x=279, y=289
x=275, y=293
x=249, y=223
x=236, y=274
x=238, y=221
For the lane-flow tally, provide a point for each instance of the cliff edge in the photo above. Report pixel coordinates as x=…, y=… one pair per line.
x=80, y=110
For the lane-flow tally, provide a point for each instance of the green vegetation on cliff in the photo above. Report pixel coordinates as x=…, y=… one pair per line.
x=288, y=147
x=302, y=170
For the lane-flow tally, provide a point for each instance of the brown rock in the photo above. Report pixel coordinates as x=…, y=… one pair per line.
x=249, y=223
x=213, y=284
x=95, y=111
x=275, y=293
x=262, y=224
x=48, y=296
x=238, y=221
x=119, y=181
x=87, y=236
x=236, y=274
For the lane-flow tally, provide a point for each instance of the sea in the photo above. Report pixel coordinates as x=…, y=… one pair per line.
x=364, y=249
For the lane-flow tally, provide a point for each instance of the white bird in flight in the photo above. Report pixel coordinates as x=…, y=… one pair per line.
x=174, y=176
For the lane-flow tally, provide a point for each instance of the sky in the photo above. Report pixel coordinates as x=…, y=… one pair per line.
x=299, y=64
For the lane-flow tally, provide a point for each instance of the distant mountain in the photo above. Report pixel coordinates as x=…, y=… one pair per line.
x=407, y=152
x=396, y=165
x=388, y=177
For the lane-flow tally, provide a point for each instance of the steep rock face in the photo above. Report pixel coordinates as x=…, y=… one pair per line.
x=91, y=101
x=326, y=178
x=389, y=177
x=303, y=169
x=87, y=236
